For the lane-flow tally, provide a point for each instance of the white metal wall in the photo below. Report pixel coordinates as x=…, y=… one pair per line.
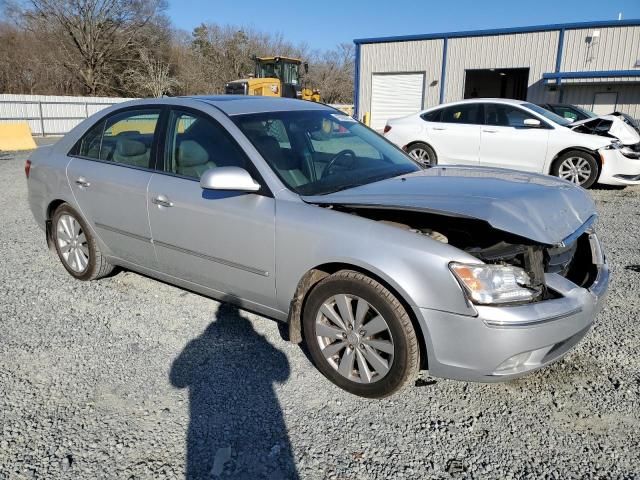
x=397, y=57
x=536, y=51
x=617, y=48
x=50, y=114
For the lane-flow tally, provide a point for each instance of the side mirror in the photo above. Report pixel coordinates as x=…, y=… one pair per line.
x=306, y=67
x=532, y=123
x=228, y=178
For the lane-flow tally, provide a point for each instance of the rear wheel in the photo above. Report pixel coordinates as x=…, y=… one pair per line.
x=76, y=247
x=423, y=154
x=577, y=167
x=360, y=336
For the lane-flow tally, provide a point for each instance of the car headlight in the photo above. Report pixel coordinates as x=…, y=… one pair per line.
x=494, y=284
x=624, y=150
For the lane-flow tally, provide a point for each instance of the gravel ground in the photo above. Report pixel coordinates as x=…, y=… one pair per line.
x=128, y=377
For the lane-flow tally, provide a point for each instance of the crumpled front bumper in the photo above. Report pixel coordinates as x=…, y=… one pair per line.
x=618, y=169
x=504, y=342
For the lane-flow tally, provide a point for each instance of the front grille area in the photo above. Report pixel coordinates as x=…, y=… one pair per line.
x=559, y=259
x=574, y=262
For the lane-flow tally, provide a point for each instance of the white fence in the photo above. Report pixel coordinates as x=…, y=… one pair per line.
x=50, y=114
x=56, y=115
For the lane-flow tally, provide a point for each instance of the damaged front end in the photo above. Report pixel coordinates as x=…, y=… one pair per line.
x=514, y=268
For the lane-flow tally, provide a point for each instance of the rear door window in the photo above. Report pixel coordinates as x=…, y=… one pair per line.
x=126, y=138
x=462, y=114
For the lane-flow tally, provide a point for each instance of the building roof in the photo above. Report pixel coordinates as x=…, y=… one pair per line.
x=501, y=31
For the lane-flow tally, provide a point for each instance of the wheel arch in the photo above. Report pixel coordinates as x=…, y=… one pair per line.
x=414, y=142
x=51, y=208
x=591, y=152
x=313, y=276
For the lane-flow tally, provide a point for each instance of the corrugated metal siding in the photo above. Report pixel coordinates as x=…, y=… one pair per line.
x=59, y=113
x=537, y=51
x=617, y=48
x=420, y=56
x=582, y=96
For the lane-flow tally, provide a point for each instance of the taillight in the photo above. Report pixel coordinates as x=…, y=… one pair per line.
x=387, y=128
x=27, y=168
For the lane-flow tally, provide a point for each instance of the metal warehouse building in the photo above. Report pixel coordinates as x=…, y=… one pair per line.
x=594, y=65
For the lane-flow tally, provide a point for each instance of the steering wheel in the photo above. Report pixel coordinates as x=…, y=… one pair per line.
x=342, y=153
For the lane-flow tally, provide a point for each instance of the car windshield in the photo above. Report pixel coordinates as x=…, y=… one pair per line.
x=547, y=114
x=322, y=151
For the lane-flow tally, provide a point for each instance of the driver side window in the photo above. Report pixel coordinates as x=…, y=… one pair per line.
x=196, y=143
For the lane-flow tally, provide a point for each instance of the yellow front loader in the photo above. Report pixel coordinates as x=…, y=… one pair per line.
x=274, y=77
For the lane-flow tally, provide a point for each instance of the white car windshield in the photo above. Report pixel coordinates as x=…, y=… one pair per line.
x=547, y=114
x=320, y=151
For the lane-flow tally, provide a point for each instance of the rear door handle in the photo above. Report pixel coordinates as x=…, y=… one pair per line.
x=439, y=128
x=82, y=182
x=162, y=201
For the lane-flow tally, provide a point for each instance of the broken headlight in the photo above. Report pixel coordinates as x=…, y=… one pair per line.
x=624, y=150
x=494, y=284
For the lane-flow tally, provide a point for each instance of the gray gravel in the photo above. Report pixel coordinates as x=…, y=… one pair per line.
x=120, y=378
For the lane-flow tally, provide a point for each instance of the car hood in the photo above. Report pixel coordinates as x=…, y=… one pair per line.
x=538, y=207
x=613, y=125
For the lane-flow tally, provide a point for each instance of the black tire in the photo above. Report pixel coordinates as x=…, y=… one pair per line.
x=415, y=150
x=562, y=168
x=97, y=266
x=405, y=359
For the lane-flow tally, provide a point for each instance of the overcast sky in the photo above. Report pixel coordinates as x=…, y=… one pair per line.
x=326, y=23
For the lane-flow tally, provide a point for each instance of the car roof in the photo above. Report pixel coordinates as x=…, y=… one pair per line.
x=508, y=101
x=245, y=104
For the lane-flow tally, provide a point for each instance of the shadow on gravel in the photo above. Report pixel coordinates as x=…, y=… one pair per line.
x=236, y=426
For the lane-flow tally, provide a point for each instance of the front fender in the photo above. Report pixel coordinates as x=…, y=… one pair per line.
x=415, y=266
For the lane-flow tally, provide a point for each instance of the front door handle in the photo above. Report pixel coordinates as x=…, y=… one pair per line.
x=162, y=201
x=82, y=182
x=487, y=130
x=439, y=128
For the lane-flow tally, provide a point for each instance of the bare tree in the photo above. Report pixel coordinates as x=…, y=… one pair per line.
x=151, y=76
x=95, y=33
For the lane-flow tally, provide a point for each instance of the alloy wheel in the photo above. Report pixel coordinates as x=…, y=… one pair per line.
x=354, y=338
x=420, y=155
x=575, y=169
x=72, y=243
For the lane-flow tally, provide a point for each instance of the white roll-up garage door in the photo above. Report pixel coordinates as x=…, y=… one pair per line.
x=395, y=95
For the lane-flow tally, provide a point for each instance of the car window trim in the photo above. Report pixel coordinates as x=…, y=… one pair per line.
x=152, y=161
x=163, y=144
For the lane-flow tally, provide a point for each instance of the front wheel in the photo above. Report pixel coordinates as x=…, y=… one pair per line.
x=423, y=154
x=577, y=167
x=360, y=336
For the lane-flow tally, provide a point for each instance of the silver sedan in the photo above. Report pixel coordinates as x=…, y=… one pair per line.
x=294, y=210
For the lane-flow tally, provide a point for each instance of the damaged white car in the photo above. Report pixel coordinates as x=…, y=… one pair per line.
x=523, y=136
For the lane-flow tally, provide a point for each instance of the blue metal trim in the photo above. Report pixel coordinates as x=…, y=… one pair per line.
x=356, y=84
x=502, y=31
x=443, y=74
x=600, y=74
x=560, y=50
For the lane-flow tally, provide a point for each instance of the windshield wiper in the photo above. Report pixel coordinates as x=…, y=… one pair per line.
x=368, y=181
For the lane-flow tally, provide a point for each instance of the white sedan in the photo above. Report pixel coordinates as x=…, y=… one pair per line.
x=518, y=135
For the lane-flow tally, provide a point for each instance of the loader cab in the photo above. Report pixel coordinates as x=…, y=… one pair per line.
x=287, y=70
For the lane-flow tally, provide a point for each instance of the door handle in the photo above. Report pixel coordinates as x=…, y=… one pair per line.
x=486, y=130
x=82, y=182
x=439, y=128
x=162, y=201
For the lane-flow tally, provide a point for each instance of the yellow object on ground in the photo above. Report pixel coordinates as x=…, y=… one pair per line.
x=16, y=136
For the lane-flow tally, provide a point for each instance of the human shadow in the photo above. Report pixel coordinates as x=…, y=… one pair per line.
x=236, y=426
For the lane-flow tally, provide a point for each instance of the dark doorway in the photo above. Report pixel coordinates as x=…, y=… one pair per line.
x=497, y=83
